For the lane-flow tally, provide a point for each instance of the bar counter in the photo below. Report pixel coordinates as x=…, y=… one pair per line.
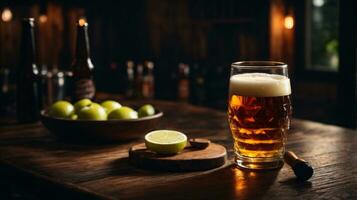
x=36, y=165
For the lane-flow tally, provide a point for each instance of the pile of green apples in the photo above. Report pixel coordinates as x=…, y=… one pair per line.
x=85, y=109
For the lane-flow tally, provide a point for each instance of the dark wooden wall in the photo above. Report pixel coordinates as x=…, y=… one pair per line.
x=209, y=34
x=347, y=78
x=212, y=34
x=143, y=29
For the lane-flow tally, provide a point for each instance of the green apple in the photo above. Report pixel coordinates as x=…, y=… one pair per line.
x=81, y=104
x=73, y=117
x=96, y=105
x=146, y=110
x=92, y=112
x=123, y=113
x=61, y=109
x=110, y=105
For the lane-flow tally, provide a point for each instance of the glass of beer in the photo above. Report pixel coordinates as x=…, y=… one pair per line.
x=259, y=110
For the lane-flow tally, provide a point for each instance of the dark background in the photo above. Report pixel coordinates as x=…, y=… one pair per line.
x=206, y=35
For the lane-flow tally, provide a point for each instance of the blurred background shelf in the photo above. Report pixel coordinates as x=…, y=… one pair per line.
x=317, y=38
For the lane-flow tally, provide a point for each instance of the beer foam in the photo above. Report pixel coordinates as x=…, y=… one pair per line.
x=259, y=85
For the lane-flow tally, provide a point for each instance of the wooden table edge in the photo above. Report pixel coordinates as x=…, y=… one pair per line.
x=51, y=184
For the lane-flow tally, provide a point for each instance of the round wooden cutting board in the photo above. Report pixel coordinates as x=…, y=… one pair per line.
x=190, y=159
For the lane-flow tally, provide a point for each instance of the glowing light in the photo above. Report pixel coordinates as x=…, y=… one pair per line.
x=318, y=3
x=289, y=22
x=82, y=22
x=6, y=15
x=43, y=18
x=252, y=174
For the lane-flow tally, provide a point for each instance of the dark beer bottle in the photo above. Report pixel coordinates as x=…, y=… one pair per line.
x=139, y=81
x=27, y=94
x=148, y=87
x=83, y=84
x=183, y=89
x=130, y=86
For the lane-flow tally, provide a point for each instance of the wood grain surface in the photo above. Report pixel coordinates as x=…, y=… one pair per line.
x=34, y=160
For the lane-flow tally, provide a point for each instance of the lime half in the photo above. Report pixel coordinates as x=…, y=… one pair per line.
x=165, y=142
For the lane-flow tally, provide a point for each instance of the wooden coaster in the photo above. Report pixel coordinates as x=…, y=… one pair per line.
x=190, y=159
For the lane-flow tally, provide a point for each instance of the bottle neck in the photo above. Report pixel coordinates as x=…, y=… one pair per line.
x=28, y=50
x=82, y=47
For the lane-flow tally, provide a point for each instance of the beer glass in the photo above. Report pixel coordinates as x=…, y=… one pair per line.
x=259, y=111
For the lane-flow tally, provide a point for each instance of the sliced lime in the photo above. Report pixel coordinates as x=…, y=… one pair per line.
x=165, y=142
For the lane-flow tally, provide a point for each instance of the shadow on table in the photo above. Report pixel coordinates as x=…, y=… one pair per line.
x=294, y=183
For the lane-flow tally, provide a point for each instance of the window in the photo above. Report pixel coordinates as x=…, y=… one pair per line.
x=322, y=35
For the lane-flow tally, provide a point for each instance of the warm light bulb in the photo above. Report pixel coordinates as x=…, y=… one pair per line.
x=289, y=22
x=43, y=18
x=6, y=15
x=82, y=22
x=318, y=3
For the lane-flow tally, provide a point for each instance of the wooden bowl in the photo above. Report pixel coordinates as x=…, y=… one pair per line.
x=93, y=131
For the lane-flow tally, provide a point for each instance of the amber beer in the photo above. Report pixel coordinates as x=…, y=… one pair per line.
x=259, y=116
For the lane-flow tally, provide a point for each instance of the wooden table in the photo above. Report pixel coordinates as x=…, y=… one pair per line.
x=35, y=163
